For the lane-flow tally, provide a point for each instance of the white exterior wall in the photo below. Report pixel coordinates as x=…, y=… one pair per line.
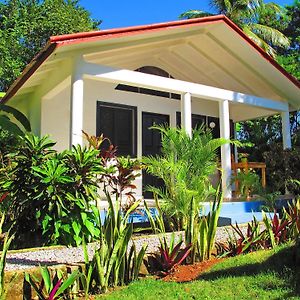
x=55, y=118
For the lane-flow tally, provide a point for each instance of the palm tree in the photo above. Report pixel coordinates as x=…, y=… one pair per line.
x=185, y=166
x=247, y=15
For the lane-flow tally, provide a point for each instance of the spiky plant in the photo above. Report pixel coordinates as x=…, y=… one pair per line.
x=185, y=165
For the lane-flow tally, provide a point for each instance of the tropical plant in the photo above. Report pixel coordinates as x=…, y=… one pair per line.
x=247, y=15
x=68, y=184
x=292, y=214
x=6, y=244
x=13, y=124
x=171, y=255
x=119, y=172
x=239, y=242
x=115, y=262
x=8, y=124
x=249, y=183
x=18, y=180
x=51, y=287
x=276, y=229
x=201, y=230
x=52, y=194
x=156, y=222
x=283, y=165
x=184, y=166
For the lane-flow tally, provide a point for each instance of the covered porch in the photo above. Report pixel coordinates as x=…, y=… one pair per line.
x=230, y=105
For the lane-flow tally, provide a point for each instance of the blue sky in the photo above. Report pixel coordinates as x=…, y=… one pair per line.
x=118, y=13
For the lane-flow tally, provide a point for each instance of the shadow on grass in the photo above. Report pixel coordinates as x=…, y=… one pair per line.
x=282, y=262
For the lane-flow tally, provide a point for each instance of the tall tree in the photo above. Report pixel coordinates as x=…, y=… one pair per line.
x=26, y=25
x=290, y=58
x=246, y=14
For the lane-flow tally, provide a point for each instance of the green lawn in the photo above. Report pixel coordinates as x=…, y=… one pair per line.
x=260, y=275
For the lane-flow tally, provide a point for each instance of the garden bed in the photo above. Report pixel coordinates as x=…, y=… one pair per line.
x=28, y=258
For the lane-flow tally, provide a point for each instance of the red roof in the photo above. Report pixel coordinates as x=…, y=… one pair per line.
x=84, y=37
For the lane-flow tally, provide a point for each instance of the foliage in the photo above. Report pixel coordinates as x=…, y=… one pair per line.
x=51, y=288
x=240, y=243
x=18, y=179
x=6, y=244
x=68, y=187
x=157, y=222
x=282, y=167
x=247, y=15
x=13, y=124
x=269, y=201
x=171, y=255
x=118, y=172
x=276, y=229
x=292, y=215
x=116, y=263
x=201, y=230
x=249, y=182
x=25, y=27
x=184, y=166
x=52, y=192
x=289, y=58
x=7, y=124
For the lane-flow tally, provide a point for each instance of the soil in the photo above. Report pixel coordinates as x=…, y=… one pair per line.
x=185, y=273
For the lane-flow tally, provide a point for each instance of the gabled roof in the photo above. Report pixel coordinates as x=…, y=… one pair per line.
x=77, y=39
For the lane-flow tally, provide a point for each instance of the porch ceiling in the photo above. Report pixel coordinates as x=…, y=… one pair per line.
x=211, y=52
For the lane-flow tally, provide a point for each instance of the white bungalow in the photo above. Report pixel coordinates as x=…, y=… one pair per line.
x=123, y=80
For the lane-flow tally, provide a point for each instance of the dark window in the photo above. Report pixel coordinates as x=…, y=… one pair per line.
x=118, y=123
x=153, y=71
x=197, y=120
x=211, y=122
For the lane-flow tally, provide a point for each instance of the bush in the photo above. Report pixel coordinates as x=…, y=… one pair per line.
x=282, y=167
x=185, y=166
x=54, y=194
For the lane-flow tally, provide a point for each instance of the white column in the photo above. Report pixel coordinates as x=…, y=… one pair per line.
x=286, y=130
x=76, y=114
x=225, y=149
x=186, y=113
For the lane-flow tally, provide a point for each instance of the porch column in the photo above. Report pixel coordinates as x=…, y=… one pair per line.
x=186, y=113
x=225, y=149
x=76, y=115
x=286, y=130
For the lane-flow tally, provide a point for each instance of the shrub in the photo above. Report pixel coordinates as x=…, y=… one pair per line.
x=185, y=166
x=170, y=255
x=282, y=167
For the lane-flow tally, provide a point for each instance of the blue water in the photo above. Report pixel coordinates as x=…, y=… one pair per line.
x=231, y=212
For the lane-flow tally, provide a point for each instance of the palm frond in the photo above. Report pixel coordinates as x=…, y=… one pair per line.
x=275, y=37
x=194, y=13
x=259, y=41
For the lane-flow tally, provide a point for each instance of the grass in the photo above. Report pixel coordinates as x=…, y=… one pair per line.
x=260, y=275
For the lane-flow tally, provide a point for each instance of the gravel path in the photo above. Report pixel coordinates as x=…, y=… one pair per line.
x=64, y=255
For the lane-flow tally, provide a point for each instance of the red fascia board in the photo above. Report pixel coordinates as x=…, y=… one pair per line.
x=111, y=33
x=83, y=37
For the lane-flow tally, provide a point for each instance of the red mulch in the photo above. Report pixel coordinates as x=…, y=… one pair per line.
x=185, y=273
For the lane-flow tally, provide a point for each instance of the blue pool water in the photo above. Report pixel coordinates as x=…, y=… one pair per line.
x=231, y=212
